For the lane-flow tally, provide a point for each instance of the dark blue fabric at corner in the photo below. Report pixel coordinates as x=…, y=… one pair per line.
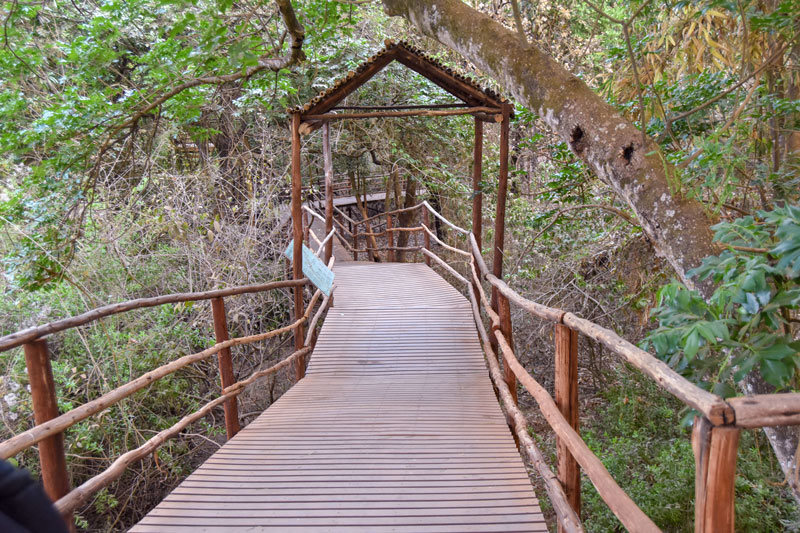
x=24, y=506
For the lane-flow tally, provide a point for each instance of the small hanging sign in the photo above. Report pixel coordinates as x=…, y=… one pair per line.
x=314, y=269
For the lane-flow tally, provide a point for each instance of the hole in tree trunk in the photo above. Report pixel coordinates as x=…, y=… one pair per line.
x=576, y=139
x=627, y=153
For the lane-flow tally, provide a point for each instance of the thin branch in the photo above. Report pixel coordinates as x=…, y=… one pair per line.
x=627, y=34
x=296, y=55
x=518, y=21
x=685, y=163
x=626, y=24
x=764, y=65
x=623, y=215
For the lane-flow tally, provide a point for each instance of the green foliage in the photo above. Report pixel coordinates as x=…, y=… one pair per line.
x=77, y=83
x=638, y=435
x=745, y=324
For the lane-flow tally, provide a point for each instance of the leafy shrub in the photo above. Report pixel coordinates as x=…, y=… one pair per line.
x=639, y=437
x=746, y=323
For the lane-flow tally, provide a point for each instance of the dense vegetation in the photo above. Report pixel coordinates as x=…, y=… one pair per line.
x=144, y=150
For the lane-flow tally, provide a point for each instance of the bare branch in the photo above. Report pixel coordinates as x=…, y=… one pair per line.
x=518, y=21
x=293, y=26
x=620, y=213
x=764, y=65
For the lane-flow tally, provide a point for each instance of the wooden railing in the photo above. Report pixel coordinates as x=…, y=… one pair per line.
x=341, y=185
x=715, y=435
x=352, y=235
x=716, y=429
x=50, y=426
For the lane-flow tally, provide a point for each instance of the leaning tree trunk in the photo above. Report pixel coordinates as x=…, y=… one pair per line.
x=613, y=147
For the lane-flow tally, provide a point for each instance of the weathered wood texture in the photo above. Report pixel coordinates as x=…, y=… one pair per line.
x=394, y=428
x=766, y=410
x=566, y=396
x=30, y=334
x=226, y=376
x=297, y=235
x=715, y=450
x=45, y=408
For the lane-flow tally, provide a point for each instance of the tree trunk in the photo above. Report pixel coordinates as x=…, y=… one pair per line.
x=405, y=219
x=369, y=240
x=678, y=227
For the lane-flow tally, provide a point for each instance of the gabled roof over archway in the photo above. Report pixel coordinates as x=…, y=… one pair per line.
x=455, y=83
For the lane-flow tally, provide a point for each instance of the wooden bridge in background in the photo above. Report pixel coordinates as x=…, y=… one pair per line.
x=394, y=428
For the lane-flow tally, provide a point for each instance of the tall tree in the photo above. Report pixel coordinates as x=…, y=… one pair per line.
x=619, y=154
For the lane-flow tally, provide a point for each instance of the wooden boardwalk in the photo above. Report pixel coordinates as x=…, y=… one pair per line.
x=395, y=428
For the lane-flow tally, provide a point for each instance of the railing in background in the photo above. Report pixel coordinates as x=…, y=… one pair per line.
x=342, y=187
x=49, y=428
x=716, y=430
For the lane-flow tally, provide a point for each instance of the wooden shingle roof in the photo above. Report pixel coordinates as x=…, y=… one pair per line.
x=459, y=85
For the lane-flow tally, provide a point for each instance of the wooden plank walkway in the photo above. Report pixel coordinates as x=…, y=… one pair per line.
x=395, y=428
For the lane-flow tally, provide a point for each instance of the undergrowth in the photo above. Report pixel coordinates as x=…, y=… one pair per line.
x=639, y=434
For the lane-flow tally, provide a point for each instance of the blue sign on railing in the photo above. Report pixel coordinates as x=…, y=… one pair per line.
x=314, y=269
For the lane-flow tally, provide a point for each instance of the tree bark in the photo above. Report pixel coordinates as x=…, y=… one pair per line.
x=594, y=130
x=678, y=227
x=405, y=218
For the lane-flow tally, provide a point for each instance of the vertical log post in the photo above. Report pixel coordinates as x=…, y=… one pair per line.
x=355, y=242
x=297, y=256
x=477, y=194
x=389, y=239
x=226, y=376
x=715, y=450
x=477, y=172
x=52, y=460
x=499, y=302
x=306, y=229
x=327, y=162
x=426, y=219
x=566, y=393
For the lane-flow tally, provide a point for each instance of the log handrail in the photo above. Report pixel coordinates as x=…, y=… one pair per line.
x=393, y=229
x=28, y=438
x=567, y=517
x=81, y=494
x=625, y=509
x=433, y=236
x=761, y=410
x=444, y=265
x=618, y=501
x=714, y=438
x=53, y=426
x=713, y=407
x=342, y=228
x=30, y=334
x=710, y=405
x=314, y=213
x=443, y=219
x=388, y=213
x=345, y=216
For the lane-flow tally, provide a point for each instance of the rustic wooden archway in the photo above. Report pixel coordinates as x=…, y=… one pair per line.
x=484, y=104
